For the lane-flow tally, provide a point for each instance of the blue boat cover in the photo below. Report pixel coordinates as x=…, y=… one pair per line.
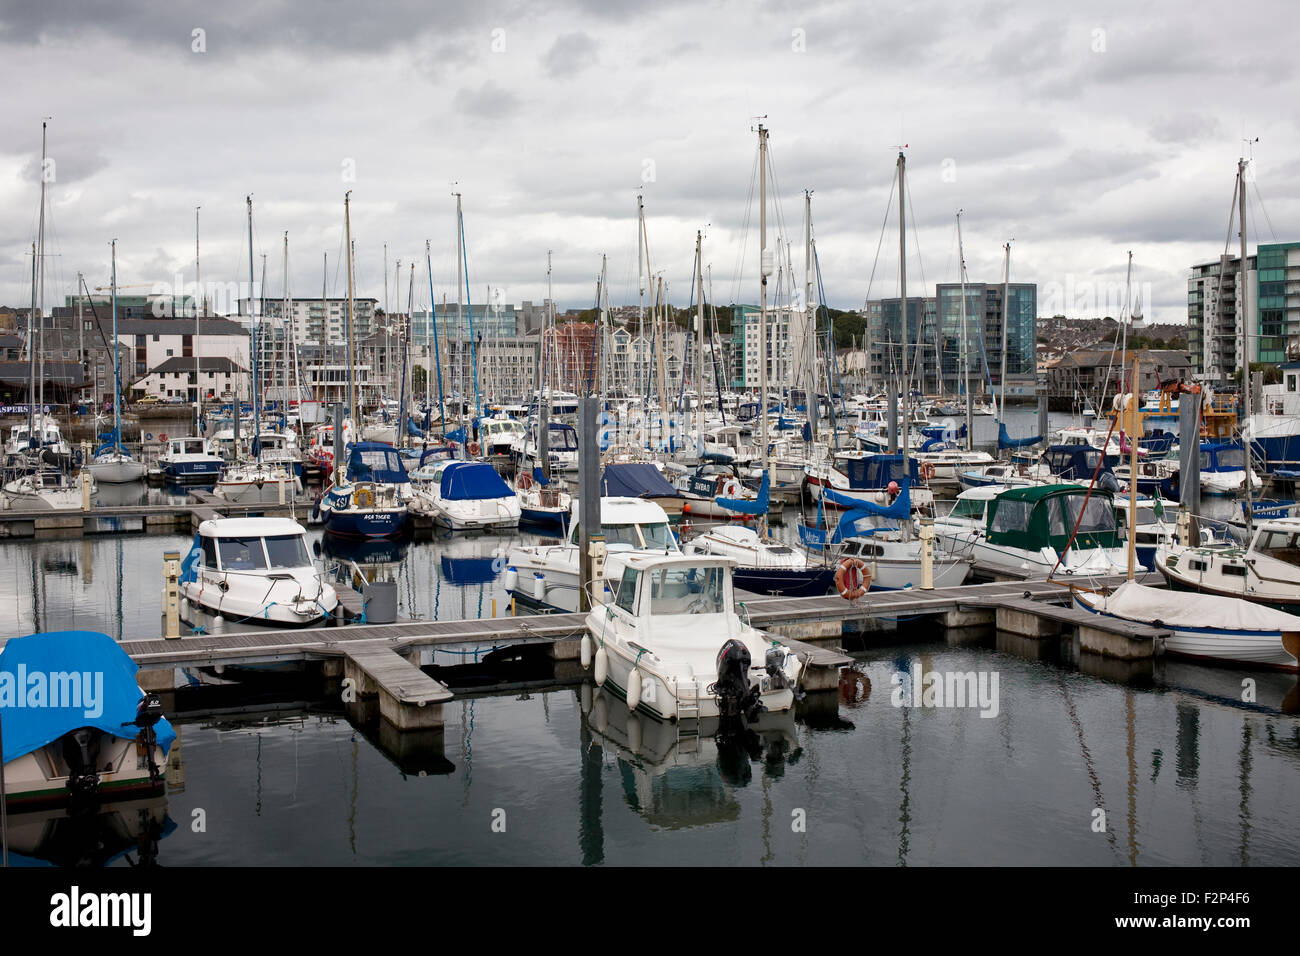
x=472, y=481
x=456, y=435
x=539, y=476
x=744, y=506
x=375, y=461
x=900, y=509
x=468, y=570
x=873, y=472
x=635, y=480
x=35, y=696
x=1006, y=441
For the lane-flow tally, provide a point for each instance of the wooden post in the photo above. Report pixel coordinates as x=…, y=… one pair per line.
x=1133, y=427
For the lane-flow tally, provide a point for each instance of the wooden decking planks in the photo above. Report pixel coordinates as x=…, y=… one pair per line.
x=396, y=676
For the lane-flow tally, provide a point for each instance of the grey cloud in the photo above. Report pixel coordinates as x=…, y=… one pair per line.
x=487, y=102
x=570, y=54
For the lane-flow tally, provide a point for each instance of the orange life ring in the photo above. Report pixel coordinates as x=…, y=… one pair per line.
x=852, y=578
x=927, y=471
x=473, y=448
x=525, y=480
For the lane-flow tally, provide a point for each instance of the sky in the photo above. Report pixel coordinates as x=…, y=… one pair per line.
x=1077, y=133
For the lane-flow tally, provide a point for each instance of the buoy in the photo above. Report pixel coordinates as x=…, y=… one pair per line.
x=686, y=508
x=512, y=579
x=601, y=665
x=585, y=651
x=633, y=689
x=539, y=586
x=634, y=732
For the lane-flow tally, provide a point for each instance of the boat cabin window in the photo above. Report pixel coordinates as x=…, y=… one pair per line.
x=686, y=590
x=209, y=552
x=1012, y=515
x=1234, y=570
x=1224, y=459
x=1098, y=516
x=191, y=446
x=1056, y=518
x=627, y=590
x=1280, y=545
x=241, y=554
x=968, y=508
x=1194, y=565
x=287, y=551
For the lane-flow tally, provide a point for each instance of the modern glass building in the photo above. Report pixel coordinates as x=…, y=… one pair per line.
x=1278, y=298
x=984, y=325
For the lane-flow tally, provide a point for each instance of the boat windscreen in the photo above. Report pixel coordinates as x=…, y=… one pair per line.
x=241, y=554
x=686, y=590
x=287, y=551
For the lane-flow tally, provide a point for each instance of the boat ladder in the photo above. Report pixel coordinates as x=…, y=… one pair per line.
x=687, y=709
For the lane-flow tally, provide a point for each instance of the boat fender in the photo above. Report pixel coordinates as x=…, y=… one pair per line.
x=600, y=664
x=633, y=689
x=852, y=578
x=512, y=582
x=539, y=587
x=585, y=651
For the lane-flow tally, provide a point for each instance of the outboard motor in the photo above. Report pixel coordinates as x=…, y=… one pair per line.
x=148, y=711
x=775, y=660
x=732, y=688
x=81, y=753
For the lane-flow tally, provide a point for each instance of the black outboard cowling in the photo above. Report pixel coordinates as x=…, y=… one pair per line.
x=81, y=754
x=148, y=711
x=735, y=694
x=774, y=660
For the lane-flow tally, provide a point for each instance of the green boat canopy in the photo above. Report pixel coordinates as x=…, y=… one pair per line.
x=1044, y=515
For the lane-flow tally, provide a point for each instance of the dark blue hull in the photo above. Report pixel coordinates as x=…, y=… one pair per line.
x=787, y=582
x=192, y=471
x=366, y=524
x=1281, y=452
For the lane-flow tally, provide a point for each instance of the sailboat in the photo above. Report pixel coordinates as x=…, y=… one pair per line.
x=259, y=480
x=113, y=463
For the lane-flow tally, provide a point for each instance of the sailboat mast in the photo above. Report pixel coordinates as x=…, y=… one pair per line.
x=905, y=425
x=1006, y=329
x=699, y=345
x=1245, y=346
x=31, y=358
x=437, y=352
x=198, y=311
x=811, y=404
x=765, y=268
x=252, y=325
x=965, y=359
x=40, y=267
x=347, y=246
x=324, y=338
x=117, y=391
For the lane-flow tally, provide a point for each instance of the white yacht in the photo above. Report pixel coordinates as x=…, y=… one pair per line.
x=467, y=496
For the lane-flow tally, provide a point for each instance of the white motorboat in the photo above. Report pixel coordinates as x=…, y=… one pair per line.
x=188, y=460
x=1267, y=572
x=253, y=571
x=673, y=645
x=546, y=576
x=893, y=558
x=44, y=490
x=467, y=496
x=1204, y=625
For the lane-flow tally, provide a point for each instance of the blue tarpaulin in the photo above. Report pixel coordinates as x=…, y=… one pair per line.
x=472, y=481
x=746, y=507
x=32, y=683
x=1006, y=441
x=900, y=509
x=635, y=480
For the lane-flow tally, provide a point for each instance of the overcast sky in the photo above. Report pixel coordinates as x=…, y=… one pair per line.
x=1080, y=132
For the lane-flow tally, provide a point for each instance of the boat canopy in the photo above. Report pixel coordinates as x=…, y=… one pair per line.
x=1202, y=612
x=635, y=479
x=1045, y=515
x=877, y=471
x=50, y=685
x=1076, y=462
x=744, y=506
x=375, y=461
x=472, y=481
x=1006, y=441
x=900, y=509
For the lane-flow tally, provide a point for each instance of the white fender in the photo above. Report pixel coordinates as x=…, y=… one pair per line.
x=584, y=650
x=539, y=587
x=601, y=663
x=633, y=689
x=512, y=579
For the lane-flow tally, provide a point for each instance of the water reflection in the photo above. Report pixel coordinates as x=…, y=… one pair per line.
x=129, y=831
x=677, y=776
